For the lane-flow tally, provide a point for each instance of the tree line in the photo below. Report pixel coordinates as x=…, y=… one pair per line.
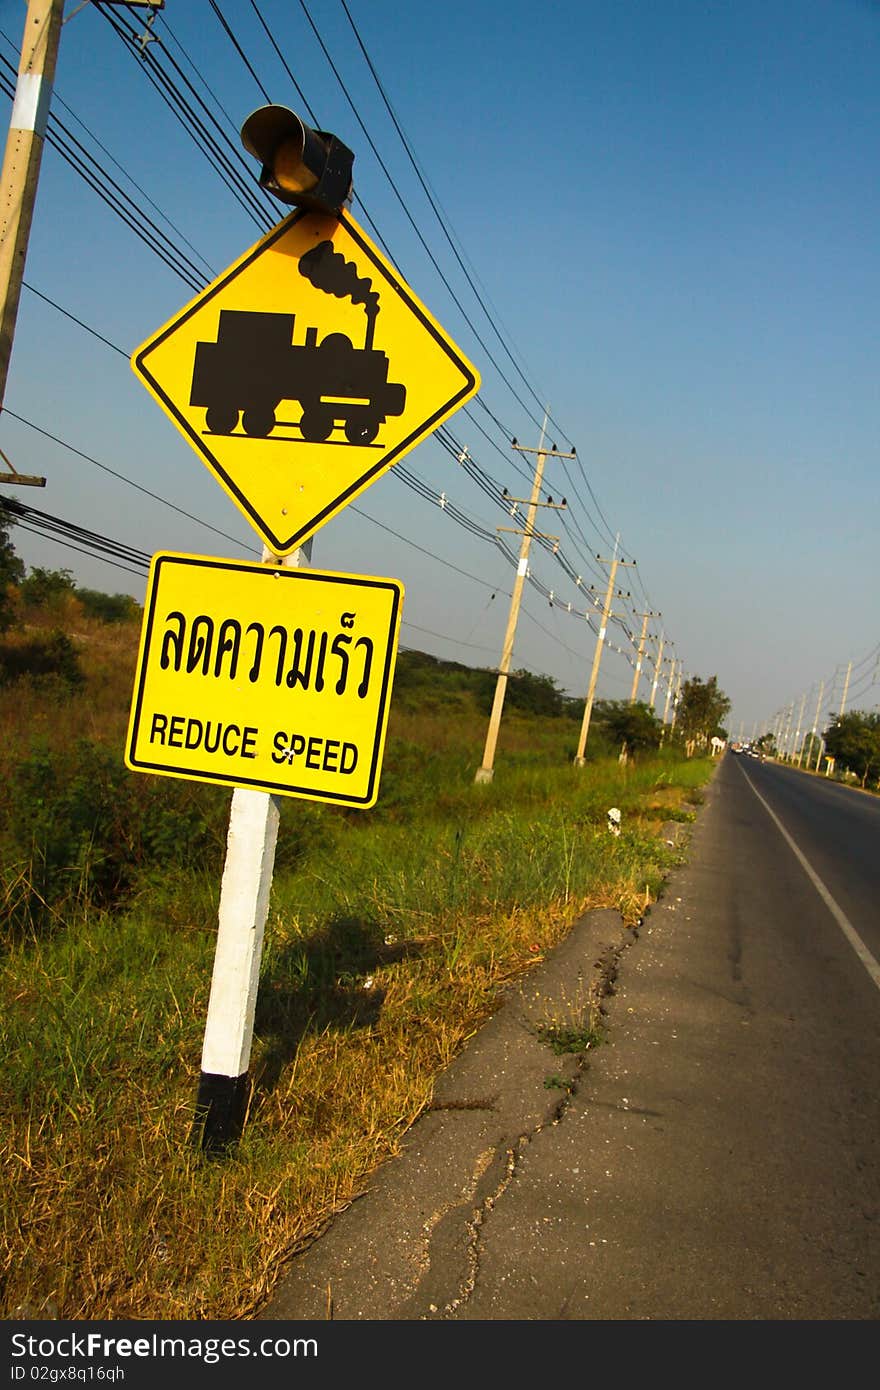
x=699, y=715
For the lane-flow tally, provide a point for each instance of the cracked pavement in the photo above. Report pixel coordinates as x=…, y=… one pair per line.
x=409, y=1247
x=717, y=1158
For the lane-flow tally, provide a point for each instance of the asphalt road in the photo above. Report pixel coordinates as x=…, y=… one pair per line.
x=838, y=828
x=723, y=1159
x=718, y=1158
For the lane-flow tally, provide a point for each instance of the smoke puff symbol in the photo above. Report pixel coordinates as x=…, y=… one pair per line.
x=329, y=271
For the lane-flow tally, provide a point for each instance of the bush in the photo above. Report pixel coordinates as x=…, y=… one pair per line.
x=42, y=655
x=78, y=828
x=47, y=588
x=11, y=567
x=635, y=725
x=109, y=608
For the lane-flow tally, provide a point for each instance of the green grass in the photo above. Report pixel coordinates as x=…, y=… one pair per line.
x=391, y=936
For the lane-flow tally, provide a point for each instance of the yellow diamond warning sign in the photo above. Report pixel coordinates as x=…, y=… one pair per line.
x=265, y=677
x=303, y=373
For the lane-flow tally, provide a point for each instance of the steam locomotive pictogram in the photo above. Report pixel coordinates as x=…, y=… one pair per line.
x=255, y=365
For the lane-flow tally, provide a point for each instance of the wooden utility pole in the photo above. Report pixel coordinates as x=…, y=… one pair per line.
x=20, y=174
x=224, y=1088
x=614, y=562
x=638, y=671
x=486, y=771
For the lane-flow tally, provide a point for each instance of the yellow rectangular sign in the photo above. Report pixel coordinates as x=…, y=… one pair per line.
x=261, y=676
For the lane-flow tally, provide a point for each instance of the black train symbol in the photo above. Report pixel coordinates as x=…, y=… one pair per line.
x=254, y=365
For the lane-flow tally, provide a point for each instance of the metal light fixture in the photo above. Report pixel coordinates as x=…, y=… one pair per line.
x=305, y=167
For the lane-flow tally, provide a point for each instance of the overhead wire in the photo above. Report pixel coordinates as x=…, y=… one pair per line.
x=442, y=219
x=408, y=477
x=451, y=510
x=68, y=532
x=156, y=496
x=58, y=100
x=444, y=226
x=402, y=201
x=119, y=202
x=239, y=49
x=211, y=145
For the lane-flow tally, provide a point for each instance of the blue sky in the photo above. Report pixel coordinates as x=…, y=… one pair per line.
x=671, y=211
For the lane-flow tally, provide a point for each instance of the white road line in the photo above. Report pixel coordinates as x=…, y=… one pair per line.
x=837, y=913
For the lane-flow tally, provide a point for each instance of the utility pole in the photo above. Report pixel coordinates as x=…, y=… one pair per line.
x=486, y=771
x=786, y=737
x=20, y=174
x=777, y=732
x=845, y=690
x=797, y=737
x=669, y=690
x=614, y=562
x=657, y=669
x=676, y=700
x=638, y=671
x=816, y=726
x=21, y=171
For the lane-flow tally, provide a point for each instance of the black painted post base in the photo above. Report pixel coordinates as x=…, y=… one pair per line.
x=221, y=1106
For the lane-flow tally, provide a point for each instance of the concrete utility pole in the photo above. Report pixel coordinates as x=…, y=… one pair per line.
x=614, y=562
x=674, y=702
x=845, y=691
x=797, y=737
x=657, y=669
x=638, y=671
x=816, y=727
x=20, y=174
x=789, y=721
x=677, y=698
x=669, y=689
x=224, y=1089
x=486, y=771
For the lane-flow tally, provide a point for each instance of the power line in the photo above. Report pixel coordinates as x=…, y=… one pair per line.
x=157, y=497
x=119, y=202
x=239, y=183
x=477, y=475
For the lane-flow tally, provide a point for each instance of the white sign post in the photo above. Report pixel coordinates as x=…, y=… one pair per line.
x=224, y=1091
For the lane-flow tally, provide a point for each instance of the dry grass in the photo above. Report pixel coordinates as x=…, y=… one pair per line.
x=391, y=938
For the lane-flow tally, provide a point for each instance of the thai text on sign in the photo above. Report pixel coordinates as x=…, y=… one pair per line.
x=266, y=677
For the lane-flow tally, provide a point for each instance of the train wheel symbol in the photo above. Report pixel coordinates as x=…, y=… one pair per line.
x=221, y=419
x=316, y=424
x=361, y=429
x=259, y=421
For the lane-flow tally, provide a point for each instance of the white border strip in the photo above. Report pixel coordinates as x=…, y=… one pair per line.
x=30, y=109
x=837, y=913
